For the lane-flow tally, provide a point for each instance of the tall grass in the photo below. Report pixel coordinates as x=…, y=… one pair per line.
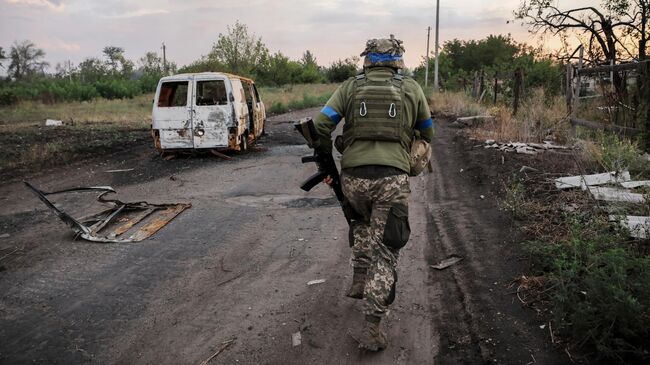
x=599, y=286
x=455, y=104
x=292, y=97
x=539, y=118
x=135, y=111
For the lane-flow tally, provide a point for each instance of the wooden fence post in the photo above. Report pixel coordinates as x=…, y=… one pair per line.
x=519, y=80
x=496, y=86
x=568, y=89
x=569, y=97
x=475, y=85
x=646, y=100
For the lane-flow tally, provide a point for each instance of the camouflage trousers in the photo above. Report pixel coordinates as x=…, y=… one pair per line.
x=377, y=237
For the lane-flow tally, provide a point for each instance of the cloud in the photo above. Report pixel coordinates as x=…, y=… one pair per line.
x=53, y=5
x=57, y=44
x=138, y=13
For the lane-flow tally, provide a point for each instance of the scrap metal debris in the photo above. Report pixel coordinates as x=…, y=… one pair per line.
x=122, y=222
x=296, y=339
x=53, y=123
x=314, y=282
x=463, y=122
x=449, y=261
x=523, y=148
x=119, y=170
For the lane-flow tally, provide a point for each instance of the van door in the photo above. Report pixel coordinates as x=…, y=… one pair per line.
x=172, y=114
x=212, y=112
x=260, y=112
x=241, y=110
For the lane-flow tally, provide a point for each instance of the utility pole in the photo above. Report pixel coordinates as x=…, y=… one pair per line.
x=435, y=77
x=164, y=49
x=426, y=70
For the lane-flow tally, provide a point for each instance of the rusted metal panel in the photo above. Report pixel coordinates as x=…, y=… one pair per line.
x=139, y=220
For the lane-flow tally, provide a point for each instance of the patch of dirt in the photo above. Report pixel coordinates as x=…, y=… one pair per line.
x=480, y=319
x=34, y=147
x=240, y=267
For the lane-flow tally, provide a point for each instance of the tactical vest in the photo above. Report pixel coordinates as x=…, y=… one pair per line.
x=376, y=112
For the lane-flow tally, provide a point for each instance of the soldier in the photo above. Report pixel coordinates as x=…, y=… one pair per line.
x=386, y=137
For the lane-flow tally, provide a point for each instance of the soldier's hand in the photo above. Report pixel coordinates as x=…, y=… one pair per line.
x=328, y=180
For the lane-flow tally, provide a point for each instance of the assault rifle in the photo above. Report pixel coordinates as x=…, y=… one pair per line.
x=326, y=167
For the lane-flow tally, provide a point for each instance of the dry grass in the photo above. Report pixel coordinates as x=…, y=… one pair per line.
x=127, y=112
x=539, y=118
x=289, y=94
x=457, y=104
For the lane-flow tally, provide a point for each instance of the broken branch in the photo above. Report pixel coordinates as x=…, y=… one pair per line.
x=224, y=346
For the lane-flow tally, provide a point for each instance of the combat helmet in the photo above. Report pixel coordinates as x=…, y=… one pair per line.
x=385, y=52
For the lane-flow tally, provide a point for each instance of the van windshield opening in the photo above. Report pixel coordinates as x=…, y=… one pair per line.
x=211, y=92
x=173, y=94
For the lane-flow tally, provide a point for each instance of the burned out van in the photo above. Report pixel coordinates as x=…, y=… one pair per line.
x=209, y=110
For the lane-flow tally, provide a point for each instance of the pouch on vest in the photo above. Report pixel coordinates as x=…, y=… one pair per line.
x=419, y=157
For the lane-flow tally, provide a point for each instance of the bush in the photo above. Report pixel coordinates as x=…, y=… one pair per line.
x=8, y=97
x=600, y=290
x=341, y=70
x=618, y=153
x=278, y=108
x=117, y=89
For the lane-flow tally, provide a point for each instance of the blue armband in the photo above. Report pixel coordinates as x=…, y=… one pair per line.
x=424, y=124
x=331, y=114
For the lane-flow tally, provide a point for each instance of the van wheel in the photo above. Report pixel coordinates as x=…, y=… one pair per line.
x=243, y=145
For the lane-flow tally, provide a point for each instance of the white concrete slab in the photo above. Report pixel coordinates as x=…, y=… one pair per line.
x=639, y=227
x=616, y=195
x=582, y=181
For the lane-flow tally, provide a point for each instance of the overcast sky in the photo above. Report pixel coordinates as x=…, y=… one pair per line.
x=331, y=29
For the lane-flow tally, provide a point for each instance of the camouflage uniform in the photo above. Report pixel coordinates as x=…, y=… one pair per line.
x=377, y=159
x=378, y=236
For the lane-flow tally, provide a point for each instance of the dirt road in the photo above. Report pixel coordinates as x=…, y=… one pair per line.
x=236, y=266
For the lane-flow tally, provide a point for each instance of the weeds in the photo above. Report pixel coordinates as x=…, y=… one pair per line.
x=457, y=104
x=292, y=97
x=601, y=289
x=541, y=118
x=592, y=280
x=514, y=201
x=616, y=153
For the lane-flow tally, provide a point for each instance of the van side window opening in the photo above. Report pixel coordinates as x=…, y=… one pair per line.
x=257, y=95
x=211, y=92
x=173, y=94
x=247, y=92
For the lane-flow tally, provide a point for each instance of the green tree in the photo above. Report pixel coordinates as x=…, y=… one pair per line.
x=341, y=70
x=2, y=57
x=26, y=60
x=311, y=72
x=151, y=63
x=65, y=69
x=92, y=70
x=117, y=64
x=238, y=50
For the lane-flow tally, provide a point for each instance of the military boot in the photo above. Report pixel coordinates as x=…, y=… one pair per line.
x=358, y=283
x=372, y=338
